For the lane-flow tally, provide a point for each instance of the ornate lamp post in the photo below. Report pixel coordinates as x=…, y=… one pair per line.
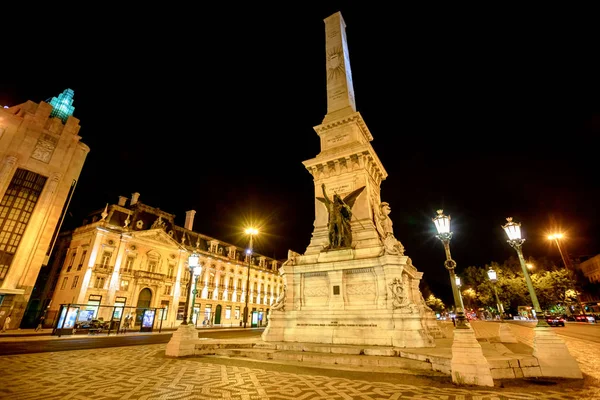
x=197, y=271
x=567, y=262
x=504, y=332
x=192, y=263
x=442, y=224
x=493, y=278
x=513, y=231
x=251, y=232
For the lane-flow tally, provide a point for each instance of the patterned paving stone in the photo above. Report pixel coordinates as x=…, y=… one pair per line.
x=144, y=372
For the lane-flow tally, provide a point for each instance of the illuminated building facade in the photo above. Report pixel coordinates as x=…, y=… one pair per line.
x=130, y=256
x=41, y=157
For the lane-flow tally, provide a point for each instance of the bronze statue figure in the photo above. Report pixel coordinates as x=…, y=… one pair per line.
x=340, y=214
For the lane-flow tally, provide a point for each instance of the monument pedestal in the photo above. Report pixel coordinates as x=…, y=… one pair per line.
x=469, y=366
x=353, y=296
x=553, y=356
x=182, y=341
x=369, y=328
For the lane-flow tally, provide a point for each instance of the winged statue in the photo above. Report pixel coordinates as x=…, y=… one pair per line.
x=340, y=215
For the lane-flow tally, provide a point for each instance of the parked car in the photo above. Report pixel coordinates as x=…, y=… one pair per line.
x=555, y=320
x=586, y=318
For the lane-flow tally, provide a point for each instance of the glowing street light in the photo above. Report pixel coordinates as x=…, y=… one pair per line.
x=193, y=261
x=251, y=232
x=513, y=231
x=197, y=270
x=493, y=278
x=442, y=224
x=557, y=237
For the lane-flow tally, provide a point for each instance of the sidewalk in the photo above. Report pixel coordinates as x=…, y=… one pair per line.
x=18, y=335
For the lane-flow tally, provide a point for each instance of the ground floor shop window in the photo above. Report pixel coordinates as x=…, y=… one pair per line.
x=207, y=315
x=119, y=304
x=164, y=304
x=180, y=311
x=93, y=303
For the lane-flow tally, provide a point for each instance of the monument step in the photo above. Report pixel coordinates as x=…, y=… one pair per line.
x=391, y=364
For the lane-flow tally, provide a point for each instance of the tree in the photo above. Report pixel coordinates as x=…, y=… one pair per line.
x=435, y=304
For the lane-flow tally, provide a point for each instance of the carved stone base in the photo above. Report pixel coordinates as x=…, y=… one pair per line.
x=469, y=366
x=553, y=355
x=373, y=327
x=182, y=341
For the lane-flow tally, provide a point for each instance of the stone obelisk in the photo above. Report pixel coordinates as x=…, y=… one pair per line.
x=340, y=91
x=347, y=160
x=353, y=285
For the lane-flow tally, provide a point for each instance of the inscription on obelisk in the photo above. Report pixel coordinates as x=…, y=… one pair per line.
x=340, y=91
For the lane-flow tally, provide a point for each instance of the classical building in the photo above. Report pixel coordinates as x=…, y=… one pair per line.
x=41, y=157
x=591, y=268
x=129, y=258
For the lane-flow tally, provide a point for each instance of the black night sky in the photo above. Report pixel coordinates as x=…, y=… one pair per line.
x=486, y=114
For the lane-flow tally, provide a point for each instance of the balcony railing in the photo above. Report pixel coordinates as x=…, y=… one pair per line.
x=148, y=275
x=102, y=268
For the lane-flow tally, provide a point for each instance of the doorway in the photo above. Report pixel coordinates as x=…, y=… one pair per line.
x=218, y=315
x=144, y=300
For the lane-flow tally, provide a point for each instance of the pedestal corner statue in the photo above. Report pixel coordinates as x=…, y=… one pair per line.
x=353, y=284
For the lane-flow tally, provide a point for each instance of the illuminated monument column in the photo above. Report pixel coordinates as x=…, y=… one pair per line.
x=353, y=286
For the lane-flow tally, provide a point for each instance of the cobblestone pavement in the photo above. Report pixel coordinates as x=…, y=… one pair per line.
x=144, y=372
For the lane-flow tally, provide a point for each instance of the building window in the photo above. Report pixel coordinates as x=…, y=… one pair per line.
x=168, y=290
x=152, y=266
x=106, y=258
x=64, y=283
x=99, y=284
x=72, y=260
x=230, y=287
x=16, y=208
x=82, y=260
x=170, y=271
x=228, y=312
x=129, y=265
x=237, y=313
x=124, y=285
x=239, y=285
x=75, y=280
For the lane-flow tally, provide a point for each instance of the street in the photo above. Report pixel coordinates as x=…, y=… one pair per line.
x=144, y=372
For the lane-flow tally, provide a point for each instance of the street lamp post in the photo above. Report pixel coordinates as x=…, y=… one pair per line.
x=493, y=278
x=197, y=270
x=251, y=232
x=504, y=332
x=567, y=262
x=513, y=231
x=459, y=287
x=442, y=224
x=192, y=263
